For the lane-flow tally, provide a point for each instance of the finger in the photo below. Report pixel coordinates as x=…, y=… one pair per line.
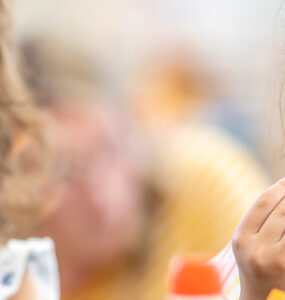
x=274, y=226
x=262, y=208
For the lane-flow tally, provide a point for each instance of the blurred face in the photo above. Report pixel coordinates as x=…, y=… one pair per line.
x=100, y=214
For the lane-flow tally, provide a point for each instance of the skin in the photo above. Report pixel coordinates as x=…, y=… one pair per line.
x=27, y=290
x=259, y=245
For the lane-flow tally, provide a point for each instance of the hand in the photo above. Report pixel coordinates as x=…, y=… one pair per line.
x=259, y=245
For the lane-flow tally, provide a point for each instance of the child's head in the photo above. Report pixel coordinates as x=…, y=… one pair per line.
x=168, y=88
x=100, y=217
x=21, y=141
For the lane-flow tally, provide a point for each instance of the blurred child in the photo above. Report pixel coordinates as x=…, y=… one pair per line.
x=193, y=161
x=27, y=268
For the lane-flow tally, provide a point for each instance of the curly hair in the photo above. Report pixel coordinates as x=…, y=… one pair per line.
x=23, y=142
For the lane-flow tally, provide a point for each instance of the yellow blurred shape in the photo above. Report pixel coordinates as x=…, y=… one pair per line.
x=276, y=295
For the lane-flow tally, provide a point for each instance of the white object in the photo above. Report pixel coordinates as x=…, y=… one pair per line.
x=36, y=256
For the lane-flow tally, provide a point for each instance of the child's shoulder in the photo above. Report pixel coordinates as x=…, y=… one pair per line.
x=193, y=150
x=34, y=257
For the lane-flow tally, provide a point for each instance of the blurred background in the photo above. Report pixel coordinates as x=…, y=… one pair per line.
x=178, y=101
x=229, y=43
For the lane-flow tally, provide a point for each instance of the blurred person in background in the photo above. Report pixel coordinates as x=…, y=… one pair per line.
x=100, y=224
x=121, y=218
x=194, y=164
